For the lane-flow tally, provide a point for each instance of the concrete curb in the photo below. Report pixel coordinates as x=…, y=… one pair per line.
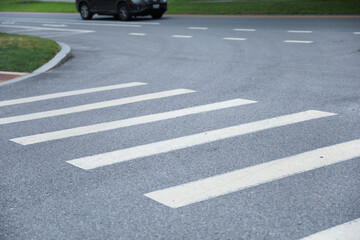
x=60, y=57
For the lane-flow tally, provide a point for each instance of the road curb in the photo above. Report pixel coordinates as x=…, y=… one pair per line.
x=263, y=15
x=60, y=57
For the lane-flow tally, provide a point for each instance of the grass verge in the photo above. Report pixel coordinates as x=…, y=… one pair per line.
x=21, y=53
x=265, y=7
x=35, y=6
x=211, y=6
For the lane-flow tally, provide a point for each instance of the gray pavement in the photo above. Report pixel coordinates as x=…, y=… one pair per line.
x=45, y=197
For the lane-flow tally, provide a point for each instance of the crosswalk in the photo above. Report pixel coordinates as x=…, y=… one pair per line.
x=191, y=192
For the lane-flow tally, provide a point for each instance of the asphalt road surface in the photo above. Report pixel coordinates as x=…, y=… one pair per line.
x=184, y=128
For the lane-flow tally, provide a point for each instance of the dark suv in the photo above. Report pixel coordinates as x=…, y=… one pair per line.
x=123, y=9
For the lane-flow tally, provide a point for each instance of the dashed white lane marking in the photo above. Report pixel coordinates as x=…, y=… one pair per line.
x=43, y=20
x=92, y=106
x=105, y=24
x=181, y=36
x=54, y=25
x=46, y=35
x=145, y=23
x=69, y=93
x=234, y=39
x=137, y=24
x=137, y=34
x=346, y=231
x=356, y=32
x=128, y=122
x=22, y=31
x=50, y=29
x=298, y=31
x=151, y=149
x=198, y=28
x=8, y=22
x=204, y=189
x=244, y=29
x=297, y=41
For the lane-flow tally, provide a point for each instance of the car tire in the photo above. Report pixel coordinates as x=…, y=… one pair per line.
x=123, y=12
x=85, y=12
x=157, y=15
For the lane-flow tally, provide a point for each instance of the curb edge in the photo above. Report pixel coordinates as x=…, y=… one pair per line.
x=60, y=57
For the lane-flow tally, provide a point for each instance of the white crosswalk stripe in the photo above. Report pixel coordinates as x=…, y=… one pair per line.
x=69, y=93
x=99, y=105
x=128, y=154
x=128, y=122
x=208, y=188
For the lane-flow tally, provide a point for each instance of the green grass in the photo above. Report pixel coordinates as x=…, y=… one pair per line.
x=198, y=7
x=36, y=6
x=266, y=7
x=21, y=53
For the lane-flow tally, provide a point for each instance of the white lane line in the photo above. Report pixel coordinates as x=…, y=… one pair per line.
x=106, y=25
x=89, y=24
x=146, y=150
x=244, y=29
x=298, y=31
x=204, y=189
x=22, y=31
x=346, y=231
x=356, y=32
x=145, y=23
x=137, y=34
x=57, y=35
x=198, y=28
x=69, y=93
x=10, y=22
x=43, y=20
x=54, y=25
x=72, y=132
x=234, y=39
x=297, y=41
x=181, y=36
x=92, y=106
x=50, y=29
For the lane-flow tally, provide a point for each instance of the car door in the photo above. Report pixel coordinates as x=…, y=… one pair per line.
x=110, y=5
x=94, y=4
x=106, y=5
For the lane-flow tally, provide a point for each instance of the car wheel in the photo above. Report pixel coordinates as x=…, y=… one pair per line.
x=85, y=12
x=157, y=15
x=123, y=12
